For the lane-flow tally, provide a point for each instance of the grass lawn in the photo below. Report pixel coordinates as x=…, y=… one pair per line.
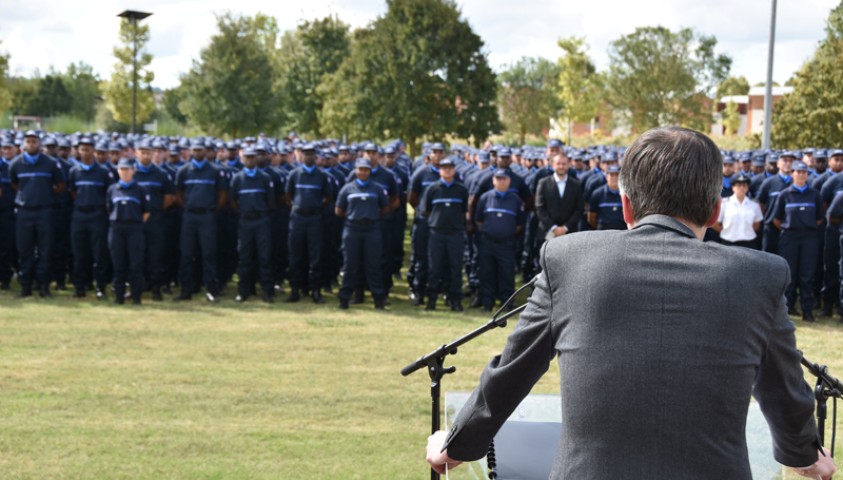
x=91, y=390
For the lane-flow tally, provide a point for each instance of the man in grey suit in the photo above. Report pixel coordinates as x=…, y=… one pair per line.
x=659, y=360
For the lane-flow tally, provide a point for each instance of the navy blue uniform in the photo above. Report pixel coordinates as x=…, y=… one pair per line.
x=226, y=234
x=172, y=227
x=607, y=203
x=157, y=183
x=253, y=192
x=767, y=194
x=8, y=251
x=309, y=190
x=831, y=187
x=835, y=209
x=127, y=203
x=34, y=179
x=89, y=230
x=279, y=224
x=201, y=184
x=417, y=276
x=500, y=215
x=756, y=182
x=402, y=182
x=361, y=238
x=799, y=211
x=445, y=206
x=61, y=263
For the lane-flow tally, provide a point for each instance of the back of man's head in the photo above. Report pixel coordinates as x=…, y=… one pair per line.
x=673, y=171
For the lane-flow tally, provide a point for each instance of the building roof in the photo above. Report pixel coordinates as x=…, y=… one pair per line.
x=777, y=91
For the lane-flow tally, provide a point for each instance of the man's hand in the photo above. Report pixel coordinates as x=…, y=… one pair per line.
x=439, y=460
x=822, y=470
x=559, y=231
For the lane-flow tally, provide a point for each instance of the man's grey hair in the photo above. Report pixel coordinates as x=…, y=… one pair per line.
x=673, y=171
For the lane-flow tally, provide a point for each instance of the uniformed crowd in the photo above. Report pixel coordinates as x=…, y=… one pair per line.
x=154, y=213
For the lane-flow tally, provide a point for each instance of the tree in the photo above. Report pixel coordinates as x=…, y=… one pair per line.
x=813, y=114
x=172, y=104
x=732, y=86
x=314, y=50
x=662, y=77
x=119, y=90
x=5, y=90
x=51, y=97
x=731, y=118
x=83, y=87
x=228, y=91
x=579, y=82
x=417, y=71
x=527, y=95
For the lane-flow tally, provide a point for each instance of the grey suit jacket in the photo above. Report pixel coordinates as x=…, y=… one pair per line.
x=658, y=360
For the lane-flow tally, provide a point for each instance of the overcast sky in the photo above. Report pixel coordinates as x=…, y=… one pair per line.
x=41, y=33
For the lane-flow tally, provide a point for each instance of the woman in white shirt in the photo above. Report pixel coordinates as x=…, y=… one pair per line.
x=740, y=217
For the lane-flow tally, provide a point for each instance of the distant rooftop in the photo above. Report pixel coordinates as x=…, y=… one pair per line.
x=777, y=91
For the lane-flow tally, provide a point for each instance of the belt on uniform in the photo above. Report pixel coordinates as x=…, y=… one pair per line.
x=253, y=215
x=199, y=210
x=89, y=208
x=499, y=240
x=446, y=230
x=306, y=211
x=361, y=223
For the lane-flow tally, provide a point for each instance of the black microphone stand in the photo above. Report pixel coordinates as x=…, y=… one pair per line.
x=435, y=360
x=826, y=387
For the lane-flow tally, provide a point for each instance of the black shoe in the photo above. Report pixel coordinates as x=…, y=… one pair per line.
x=793, y=311
x=45, y=293
x=809, y=317
x=183, y=297
x=210, y=297
x=475, y=302
x=268, y=298
x=293, y=297
x=156, y=294
x=136, y=301
x=358, y=298
x=431, y=304
x=119, y=299
x=79, y=294
x=317, y=296
x=380, y=304
x=343, y=304
x=827, y=310
x=456, y=306
x=25, y=292
x=418, y=301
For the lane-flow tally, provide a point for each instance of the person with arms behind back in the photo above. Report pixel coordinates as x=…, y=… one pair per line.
x=680, y=331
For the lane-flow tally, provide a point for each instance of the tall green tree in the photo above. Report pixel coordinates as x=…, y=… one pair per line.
x=229, y=90
x=732, y=86
x=527, y=96
x=83, y=87
x=813, y=113
x=306, y=56
x=5, y=89
x=579, y=83
x=417, y=71
x=51, y=97
x=661, y=77
x=118, y=90
x=172, y=100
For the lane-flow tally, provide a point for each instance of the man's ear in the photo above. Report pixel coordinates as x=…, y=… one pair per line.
x=628, y=214
x=714, y=215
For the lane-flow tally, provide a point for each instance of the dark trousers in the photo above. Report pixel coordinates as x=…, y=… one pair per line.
x=155, y=267
x=362, y=259
x=34, y=229
x=445, y=253
x=398, y=248
x=89, y=239
x=279, y=232
x=172, y=250
x=770, y=239
x=305, y=250
x=8, y=250
x=817, y=282
x=497, y=270
x=199, y=230
x=533, y=239
x=255, y=252
x=391, y=235
x=61, y=262
x=331, y=245
x=420, y=240
x=127, y=245
x=800, y=251
x=831, y=265
x=226, y=245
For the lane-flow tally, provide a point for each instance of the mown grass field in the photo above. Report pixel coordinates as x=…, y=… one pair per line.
x=228, y=391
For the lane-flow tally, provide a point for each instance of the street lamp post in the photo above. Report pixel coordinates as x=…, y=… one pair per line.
x=134, y=17
x=768, y=92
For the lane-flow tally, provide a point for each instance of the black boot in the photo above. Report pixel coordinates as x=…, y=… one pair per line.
x=343, y=304
x=419, y=300
x=431, y=303
x=317, y=296
x=45, y=292
x=456, y=305
x=268, y=297
x=793, y=311
x=25, y=291
x=827, y=309
x=475, y=301
x=156, y=294
x=294, y=296
x=808, y=316
x=380, y=304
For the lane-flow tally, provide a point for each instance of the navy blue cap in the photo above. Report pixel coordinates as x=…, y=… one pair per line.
x=728, y=160
x=446, y=162
x=498, y=173
x=370, y=147
x=741, y=178
x=31, y=133
x=483, y=157
x=744, y=157
x=362, y=163
x=799, y=166
x=64, y=143
x=261, y=147
x=554, y=143
x=809, y=151
x=389, y=151
x=231, y=145
x=86, y=141
x=113, y=147
x=197, y=144
x=7, y=142
x=126, y=163
x=789, y=153
x=772, y=158
x=50, y=141
x=308, y=147
x=821, y=153
x=175, y=149
x=249, y=151
x=437, y=146
x=609, y=157
x=835, y=152
x=144, y=145
x=613, y=169
x=504, y=152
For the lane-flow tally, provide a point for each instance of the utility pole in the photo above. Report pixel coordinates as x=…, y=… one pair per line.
x=768, y=93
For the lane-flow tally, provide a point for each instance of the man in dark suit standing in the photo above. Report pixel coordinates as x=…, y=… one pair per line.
x=559, y=201
x=659, y=360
